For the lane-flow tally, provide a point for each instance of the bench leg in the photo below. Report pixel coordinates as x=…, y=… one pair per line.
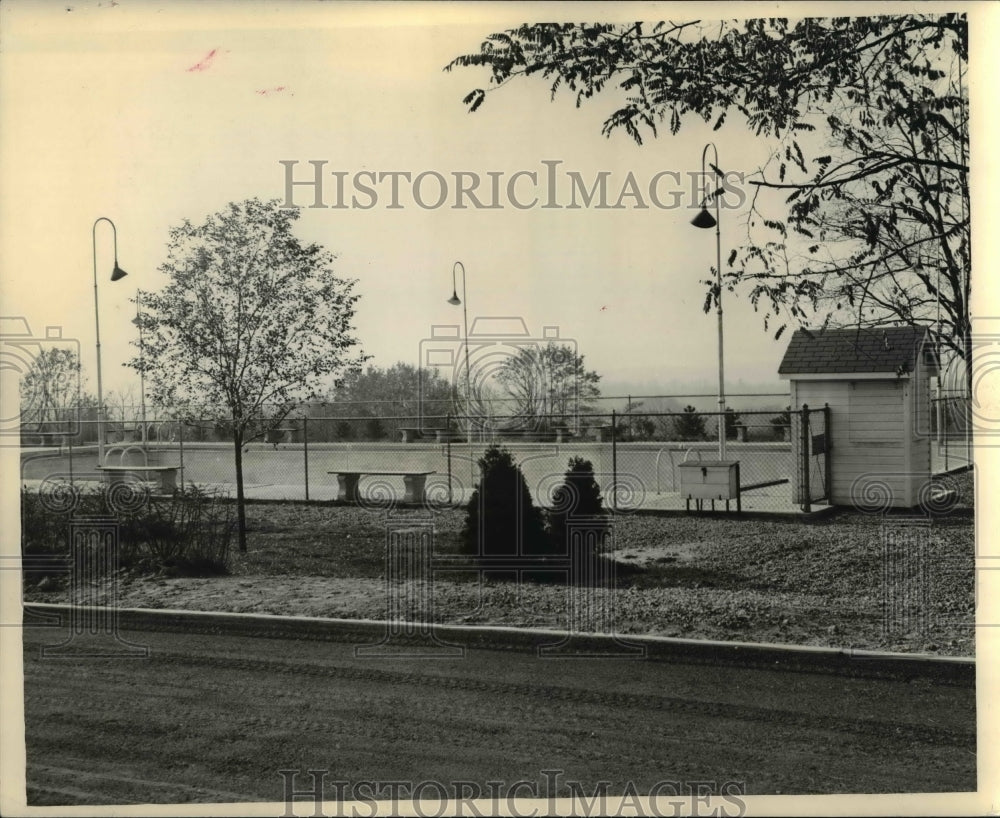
x=348, y=483
x=414, y=484
x=115, y=477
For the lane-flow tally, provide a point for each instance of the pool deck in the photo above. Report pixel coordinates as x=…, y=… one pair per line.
x=770, y=500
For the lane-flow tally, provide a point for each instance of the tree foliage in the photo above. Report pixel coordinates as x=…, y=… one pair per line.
x=51, y=388
x=400, y=390
x=634, y=423
x=867, y=118
x=250, y=323
x=547, y=385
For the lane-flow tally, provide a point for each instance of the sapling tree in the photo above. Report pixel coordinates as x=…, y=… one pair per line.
x=250, y=323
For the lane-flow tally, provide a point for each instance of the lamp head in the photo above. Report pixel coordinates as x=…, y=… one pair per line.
x=118, y=273
x=704, y=220
x=454, y=300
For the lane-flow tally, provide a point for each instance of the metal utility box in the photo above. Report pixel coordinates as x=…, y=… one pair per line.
x=710, y=480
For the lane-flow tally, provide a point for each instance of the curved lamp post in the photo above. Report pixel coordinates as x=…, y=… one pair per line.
x=117, y=273
x=706, y=221
x=456, y=301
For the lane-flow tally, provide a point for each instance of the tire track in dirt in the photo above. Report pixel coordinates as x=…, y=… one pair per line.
x=213, y=714
x=862, y=728
x=71, y=775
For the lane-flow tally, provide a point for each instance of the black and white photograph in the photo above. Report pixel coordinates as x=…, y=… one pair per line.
x=460, y=408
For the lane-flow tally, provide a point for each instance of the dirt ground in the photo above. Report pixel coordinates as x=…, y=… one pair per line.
x=215, y=718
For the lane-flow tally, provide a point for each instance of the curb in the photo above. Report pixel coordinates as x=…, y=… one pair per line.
x=415, y=640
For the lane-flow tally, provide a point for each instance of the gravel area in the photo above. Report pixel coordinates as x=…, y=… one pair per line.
x=829, y=582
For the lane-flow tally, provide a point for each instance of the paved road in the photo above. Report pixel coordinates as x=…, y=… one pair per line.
x=212, y=718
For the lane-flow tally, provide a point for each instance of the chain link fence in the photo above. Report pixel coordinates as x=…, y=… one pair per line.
x=641, y=460
x=950, y=426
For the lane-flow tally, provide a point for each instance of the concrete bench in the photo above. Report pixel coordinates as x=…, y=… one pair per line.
x=601, y=433
x=413, y=481
x=282, y=434
x=410, y=433
x=120, y=474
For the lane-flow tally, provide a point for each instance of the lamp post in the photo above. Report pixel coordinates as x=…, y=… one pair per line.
x=142, y=374
x=455, y=301
x=117, y=273
x=706, y=221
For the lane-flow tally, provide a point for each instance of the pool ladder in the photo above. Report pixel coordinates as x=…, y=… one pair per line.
x=124, y=452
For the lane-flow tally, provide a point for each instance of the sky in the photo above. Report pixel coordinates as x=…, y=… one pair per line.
x=149, y=113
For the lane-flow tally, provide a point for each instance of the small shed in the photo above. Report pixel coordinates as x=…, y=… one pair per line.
x=876, y=382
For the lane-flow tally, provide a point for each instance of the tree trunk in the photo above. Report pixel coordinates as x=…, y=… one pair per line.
x=241, y=512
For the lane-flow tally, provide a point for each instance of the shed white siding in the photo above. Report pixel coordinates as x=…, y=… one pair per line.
x=876, y=445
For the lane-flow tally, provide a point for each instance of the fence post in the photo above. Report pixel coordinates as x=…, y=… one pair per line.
x=447, y=443
x=967, y=415
x=806, y=492
x=944, y=436
x=305, y=451
x=826, y=457
x=614, y=460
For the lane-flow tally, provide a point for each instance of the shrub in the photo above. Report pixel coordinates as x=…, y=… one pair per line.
x=501, y=515
x=635, y=427
x=690, y=425
x=781, y=423
x=189, y=532
x=578, y=497
x=733, y=420
x=44, y=536
x=375, y=429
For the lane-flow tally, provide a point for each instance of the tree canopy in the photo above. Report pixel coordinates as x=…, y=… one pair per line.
x=51, y=388
x=400, y=390
x=545, y=385
x=868, y=123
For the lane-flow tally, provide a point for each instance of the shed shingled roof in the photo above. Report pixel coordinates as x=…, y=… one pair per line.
x=841, y=351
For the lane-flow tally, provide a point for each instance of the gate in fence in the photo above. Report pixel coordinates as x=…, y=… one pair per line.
x=811, y=432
